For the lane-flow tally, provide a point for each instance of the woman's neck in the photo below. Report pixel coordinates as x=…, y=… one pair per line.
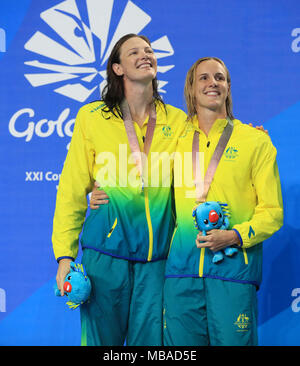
x=139, y=98
x=207, y=117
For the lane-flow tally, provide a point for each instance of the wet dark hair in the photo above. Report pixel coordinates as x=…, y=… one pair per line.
x=113, y=92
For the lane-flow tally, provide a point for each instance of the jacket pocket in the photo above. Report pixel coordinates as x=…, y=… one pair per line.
x=173, y=236
x=112, y=228
x=245, y=256
x=96, y=227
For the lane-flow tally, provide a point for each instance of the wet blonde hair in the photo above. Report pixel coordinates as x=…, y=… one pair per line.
x=189, y=93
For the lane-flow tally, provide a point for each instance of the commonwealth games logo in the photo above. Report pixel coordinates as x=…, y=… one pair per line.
x=73, y=56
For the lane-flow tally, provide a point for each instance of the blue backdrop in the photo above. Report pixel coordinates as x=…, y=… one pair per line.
x=53, y=56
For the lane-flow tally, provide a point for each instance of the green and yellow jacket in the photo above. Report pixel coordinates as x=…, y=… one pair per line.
x=135, y=225
x=247, y=180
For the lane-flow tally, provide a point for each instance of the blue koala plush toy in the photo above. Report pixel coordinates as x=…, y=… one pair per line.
x=213, y=215
x=77, y=286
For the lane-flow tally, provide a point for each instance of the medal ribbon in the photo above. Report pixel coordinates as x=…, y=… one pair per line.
x=213, y=164
x=132, y=137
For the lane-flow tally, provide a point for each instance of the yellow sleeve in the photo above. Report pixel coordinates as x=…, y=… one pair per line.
x=268, y=213
x=75, y=183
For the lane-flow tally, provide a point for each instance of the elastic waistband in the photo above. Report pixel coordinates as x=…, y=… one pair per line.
x=255, y=283
x=123, y=257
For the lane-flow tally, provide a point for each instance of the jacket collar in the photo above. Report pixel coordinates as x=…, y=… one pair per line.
x=161, y=117
x=217, y=127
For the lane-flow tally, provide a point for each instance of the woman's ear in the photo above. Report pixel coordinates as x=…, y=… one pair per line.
x=117, y=69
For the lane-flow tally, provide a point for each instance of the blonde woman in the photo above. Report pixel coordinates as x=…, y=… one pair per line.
x=207, y=303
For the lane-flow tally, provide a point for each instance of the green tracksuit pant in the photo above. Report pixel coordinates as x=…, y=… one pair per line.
x=125, y=303
x=205, y=311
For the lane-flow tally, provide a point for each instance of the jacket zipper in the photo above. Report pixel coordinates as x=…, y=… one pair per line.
x=150, y=229
x=201, y=262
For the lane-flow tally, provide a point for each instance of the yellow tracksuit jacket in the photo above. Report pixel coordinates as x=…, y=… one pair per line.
x=134, y=225
x=247, y=180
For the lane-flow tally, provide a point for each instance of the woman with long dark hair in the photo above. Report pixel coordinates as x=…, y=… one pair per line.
x=118, y=142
